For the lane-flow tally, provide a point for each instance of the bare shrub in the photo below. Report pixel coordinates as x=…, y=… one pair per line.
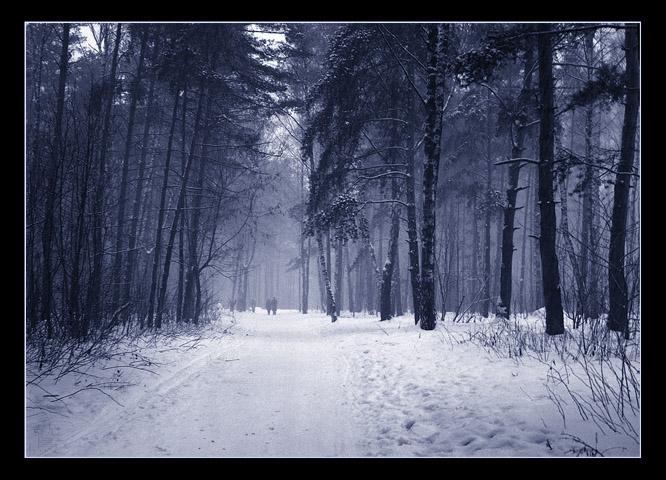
x=598, y=370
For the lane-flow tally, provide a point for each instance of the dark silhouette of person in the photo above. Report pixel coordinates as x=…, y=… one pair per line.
x=274, y=302
x=269, y=304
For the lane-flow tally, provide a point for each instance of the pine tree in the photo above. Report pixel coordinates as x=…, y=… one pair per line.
x=549, y=261
x=618, y=314
x=437, y=45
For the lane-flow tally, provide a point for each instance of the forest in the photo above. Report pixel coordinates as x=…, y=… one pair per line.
x=484, y=169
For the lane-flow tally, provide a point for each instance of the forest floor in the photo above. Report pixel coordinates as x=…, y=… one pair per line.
x=293, y=385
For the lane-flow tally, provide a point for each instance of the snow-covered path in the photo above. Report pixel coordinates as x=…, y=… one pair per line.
x=273, y=388
x=293, y=385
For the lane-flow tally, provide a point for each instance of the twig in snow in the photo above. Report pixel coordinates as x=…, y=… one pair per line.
x=380, y=327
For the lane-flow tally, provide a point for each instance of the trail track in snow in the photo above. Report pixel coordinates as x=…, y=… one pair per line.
x=272, y=388
x=293, y=385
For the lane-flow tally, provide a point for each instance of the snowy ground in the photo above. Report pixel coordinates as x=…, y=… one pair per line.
x=293, y=385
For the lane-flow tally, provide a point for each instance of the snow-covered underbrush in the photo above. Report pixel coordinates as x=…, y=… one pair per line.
x=62, y=367
x=299, y=385
x=596, y=370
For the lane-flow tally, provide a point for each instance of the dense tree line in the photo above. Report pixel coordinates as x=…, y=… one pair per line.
x=469, y=168
x=436, y=129
x=143, y=156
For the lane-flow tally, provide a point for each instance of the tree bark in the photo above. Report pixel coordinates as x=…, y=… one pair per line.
x=485, y=304
x=304, y=254
x=32, y=189
x=549, y=261
x=329, y=268
x=52, y=178
x=589, y=231
x=398, y=309
x=330, y=299
x=566, y=237
x=118, y=281
x=350, y=287
x=506, y=277
x=360, y=278
x=179, y=211
x=94, y=305
x=306, y=277
x=434, y=107
x=618, y=313
x=521, y=281
x=412, y=235
x=339, y=273
x=161, y=213
x=182, y=260
x=190, y=303
x=388, y=270
x=140, y=180
x=373, y=276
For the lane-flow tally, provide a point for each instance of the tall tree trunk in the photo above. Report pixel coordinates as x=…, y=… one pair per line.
x=79, y=241
x=190, y=305
x=618, y=313
x=589, y=273
x=329, y=268
x=240, y=248
x=454, y=247
x=32, y=277
x=566, y=237
x=350, y=287
x=320, y=284
x=306, y=276
x=373, y=276
x=360, y=278
x=52, y=178
x=485, y=304
x=517, y=147
x=476, y=277
x=120, y=233
x=330, y=299
x=523, y=254
x=412, y=235
x=535, y=258
x=338, y=274
x=182, y=260
x=589, y=228
x=549, y=261
x=397, y=281
x=305, y=255
x=94, y=307
x=434, y=108
x=179, y=211
x=140, y=180
x=242, y=298
x=387, y=272
x=593, y=299
x=157, y=251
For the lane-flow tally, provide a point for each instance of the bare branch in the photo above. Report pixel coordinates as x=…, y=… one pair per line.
x=402, y=67
x=517, y=160
x=367, y=202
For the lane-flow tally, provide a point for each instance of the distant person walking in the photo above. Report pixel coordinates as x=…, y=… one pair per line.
x=269, y=305
x=274, y=305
